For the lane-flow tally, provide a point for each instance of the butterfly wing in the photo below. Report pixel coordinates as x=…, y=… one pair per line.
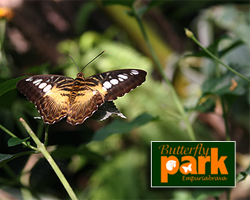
x=116, y=83
x=106, y=110
x=49, y=93
x=86, y=102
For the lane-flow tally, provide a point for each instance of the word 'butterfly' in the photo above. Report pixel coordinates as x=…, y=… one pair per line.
x=57, y=97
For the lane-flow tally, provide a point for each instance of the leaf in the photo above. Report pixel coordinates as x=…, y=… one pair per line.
x=231, y=47
x=213, y=48
x=16, y=141
x=207, y=106
x=4, y=158
x=9, y=85
x=128, y=3
x=242, y=175
x=221, y=86
x=119, y=126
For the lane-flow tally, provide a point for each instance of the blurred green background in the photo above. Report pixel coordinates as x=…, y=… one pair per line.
x=99, y=159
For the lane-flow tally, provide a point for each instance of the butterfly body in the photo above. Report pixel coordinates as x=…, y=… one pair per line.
x=57, y=97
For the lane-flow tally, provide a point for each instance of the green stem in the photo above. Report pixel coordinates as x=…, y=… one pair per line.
x=7, y=131
x=162, y=73
x=52, y=163
x=46, y=135
x=2, y=33
x=225, y=118
x=191, y=35
x=14, y=136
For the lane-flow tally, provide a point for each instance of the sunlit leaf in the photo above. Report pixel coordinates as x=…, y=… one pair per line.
x=9, y=85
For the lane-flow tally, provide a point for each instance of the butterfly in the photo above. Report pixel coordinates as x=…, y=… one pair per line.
x=57, y=97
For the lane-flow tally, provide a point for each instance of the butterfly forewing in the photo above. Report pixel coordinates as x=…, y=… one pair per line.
x=49, y=93
x=116, y=83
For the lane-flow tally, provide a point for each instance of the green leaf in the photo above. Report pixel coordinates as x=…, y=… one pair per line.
x=9, y=85
x=242, y=175
x=16, y=141
x=128, y=3
x=4, y=158
x=234, y=45
x=221, y=86
x=119, y=126
x=213, y=48
x=207, y=106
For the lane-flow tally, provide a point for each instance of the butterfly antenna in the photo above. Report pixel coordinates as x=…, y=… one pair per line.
x=93, y=59
x=74, y=62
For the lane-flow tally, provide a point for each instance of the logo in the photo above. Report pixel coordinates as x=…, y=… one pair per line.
x=192, y=164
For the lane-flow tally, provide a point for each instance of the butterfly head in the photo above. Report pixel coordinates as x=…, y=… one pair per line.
x=80, y=75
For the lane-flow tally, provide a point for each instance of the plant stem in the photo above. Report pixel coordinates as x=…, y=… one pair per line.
x=162, y=73
x=225, y=118
x=46, y=135
x=191, y=35
x=14, y=136
x=2, y=33
x=218, y=61
x=52, y=163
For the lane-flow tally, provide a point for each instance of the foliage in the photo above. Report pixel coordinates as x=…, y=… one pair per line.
x=110, y=159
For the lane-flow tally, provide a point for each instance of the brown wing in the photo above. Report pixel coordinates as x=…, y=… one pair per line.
x=49, y=93
x=116, y=83
x=83, y=105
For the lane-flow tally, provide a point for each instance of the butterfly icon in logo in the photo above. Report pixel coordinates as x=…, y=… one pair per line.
x=188, y=168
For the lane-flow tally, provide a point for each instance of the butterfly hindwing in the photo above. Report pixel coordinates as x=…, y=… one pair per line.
x=84, y=105
x=116, y=83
